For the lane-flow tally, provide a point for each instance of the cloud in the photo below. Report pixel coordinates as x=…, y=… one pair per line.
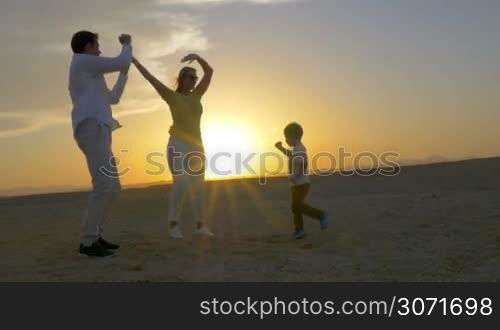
x=35, y=65
x=199, y=2
x=16, y=124
x=136, y=107
x=38, y=33
x=187, y=36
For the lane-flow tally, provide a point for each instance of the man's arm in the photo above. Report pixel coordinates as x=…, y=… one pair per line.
x=99, y=64
x=102, y=65
x=116, y=93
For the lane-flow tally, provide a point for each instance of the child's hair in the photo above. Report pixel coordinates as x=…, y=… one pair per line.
x=294, y=130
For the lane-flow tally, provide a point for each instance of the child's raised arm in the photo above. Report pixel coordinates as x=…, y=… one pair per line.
x=284, y=150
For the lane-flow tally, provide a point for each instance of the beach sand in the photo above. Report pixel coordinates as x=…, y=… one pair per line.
x=437, y=222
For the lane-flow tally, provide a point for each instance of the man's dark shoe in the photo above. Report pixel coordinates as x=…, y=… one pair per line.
x=96, y=250
x=108, y=245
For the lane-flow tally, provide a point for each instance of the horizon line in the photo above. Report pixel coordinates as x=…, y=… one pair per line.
x=80, y=189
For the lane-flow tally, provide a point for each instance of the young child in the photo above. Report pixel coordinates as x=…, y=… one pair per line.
x=299, y=179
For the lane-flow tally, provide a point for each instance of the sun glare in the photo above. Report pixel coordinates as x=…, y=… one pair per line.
x=224, y=145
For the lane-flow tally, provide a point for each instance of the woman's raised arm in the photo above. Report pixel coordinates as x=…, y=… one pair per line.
x=207, y=73
x=163, y=90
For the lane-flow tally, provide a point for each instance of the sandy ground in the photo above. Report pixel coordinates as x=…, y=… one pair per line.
x=431, y=223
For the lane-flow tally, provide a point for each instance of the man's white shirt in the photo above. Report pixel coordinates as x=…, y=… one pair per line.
x=89, y=93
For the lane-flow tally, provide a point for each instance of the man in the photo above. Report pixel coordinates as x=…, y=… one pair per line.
x=92, y=125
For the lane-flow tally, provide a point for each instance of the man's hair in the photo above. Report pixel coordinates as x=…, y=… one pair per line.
x=294, y=130
x=81, y=39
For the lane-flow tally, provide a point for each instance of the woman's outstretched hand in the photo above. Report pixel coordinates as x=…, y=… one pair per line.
x=190, y=58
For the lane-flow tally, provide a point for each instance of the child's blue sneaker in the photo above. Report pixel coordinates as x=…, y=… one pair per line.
x=323, y=221
x=299, y=234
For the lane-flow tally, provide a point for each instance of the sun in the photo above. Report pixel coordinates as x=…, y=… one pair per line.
x=226, y=144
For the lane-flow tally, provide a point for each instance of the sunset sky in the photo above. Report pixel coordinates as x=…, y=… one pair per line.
x=418, y=77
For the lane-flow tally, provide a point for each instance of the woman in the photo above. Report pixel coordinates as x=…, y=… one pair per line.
x=185, y=147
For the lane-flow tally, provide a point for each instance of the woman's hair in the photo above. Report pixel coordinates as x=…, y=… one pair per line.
x=180, y=77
